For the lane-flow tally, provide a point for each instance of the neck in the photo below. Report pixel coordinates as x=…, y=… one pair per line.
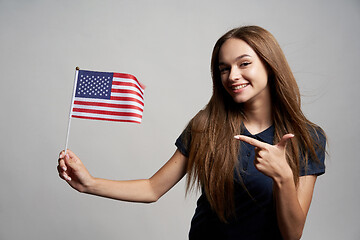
x=258, y=116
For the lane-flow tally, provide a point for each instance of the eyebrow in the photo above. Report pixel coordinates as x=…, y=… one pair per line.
x=236, y=59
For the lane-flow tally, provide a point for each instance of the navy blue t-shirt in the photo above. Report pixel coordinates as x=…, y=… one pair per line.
x=256, y=213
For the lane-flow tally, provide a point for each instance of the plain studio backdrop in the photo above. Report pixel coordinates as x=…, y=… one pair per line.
x=167, y=45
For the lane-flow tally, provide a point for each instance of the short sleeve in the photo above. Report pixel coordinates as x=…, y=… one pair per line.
x=183, y=141
x=313, y=166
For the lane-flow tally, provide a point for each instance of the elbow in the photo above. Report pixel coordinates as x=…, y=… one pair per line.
x=152, y=195
x=294, y=235
x=293, y=232
x=152, y=199
x=299, y=234
x=149, y=201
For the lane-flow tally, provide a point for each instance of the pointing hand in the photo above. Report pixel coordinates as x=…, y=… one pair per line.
x=270, y=159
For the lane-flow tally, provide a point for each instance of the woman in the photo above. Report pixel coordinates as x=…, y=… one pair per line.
x=257, y=188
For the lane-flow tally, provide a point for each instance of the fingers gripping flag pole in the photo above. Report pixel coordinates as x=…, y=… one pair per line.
x=106, y=96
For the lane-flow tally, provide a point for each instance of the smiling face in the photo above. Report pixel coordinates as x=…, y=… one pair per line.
x=243, y=74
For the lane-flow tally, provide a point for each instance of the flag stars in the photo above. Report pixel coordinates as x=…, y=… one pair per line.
x=94, y=85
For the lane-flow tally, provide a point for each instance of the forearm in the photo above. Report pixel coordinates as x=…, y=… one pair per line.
x=72, y=170
x=130, y=190
x=291, y=217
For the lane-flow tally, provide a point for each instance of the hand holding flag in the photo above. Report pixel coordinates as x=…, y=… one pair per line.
x=72, y=170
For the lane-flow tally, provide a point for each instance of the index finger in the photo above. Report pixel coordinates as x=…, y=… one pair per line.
x=251, y=141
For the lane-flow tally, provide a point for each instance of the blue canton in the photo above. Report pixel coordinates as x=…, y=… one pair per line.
x=94, y=84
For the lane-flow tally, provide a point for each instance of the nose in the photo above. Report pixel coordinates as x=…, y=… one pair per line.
x=235, y=74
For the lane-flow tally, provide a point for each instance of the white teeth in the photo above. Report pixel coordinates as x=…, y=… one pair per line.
x=240, y=86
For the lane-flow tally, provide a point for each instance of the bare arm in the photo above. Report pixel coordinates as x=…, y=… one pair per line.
x=292, y=205
x=72, y=170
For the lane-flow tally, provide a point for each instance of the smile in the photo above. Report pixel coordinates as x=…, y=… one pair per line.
x=239, y=86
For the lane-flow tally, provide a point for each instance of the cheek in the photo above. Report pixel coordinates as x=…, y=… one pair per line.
x=258, y=76
x=252, y=73
x=264, y=79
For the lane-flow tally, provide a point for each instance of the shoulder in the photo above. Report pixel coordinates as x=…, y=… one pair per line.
x=313, y=163
x=183, y=141
x=196, y=125
x=318, y=135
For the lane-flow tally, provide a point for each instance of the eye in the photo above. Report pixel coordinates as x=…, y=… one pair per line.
x=224, y=70
x=244, y=64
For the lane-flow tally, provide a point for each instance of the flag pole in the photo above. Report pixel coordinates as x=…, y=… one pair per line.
x=71, y=107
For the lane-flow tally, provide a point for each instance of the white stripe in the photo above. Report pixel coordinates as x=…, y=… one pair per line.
x=127, y=88
x=114, y=94
x=108, y=109
x=106, y=116
x=128, y=80
x=96, y=100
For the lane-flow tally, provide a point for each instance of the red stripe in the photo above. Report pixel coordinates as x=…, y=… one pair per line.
x=127, y=91
x=126, y=75
x=113, y=105
x=127, y=84
x=112, y=113
x=105, y=119
x=126, y=99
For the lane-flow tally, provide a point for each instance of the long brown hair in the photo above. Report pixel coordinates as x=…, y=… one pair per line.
x=213, y=155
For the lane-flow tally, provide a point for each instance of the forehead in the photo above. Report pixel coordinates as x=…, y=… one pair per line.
x=234, y=48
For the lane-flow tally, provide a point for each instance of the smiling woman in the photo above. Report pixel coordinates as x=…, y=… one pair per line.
x=267, y=108
x=243, y=74
x=258, y=188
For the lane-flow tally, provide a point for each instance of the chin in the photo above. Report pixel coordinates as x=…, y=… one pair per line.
x=239, y=100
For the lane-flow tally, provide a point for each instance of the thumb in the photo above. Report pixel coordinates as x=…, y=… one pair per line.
x=284, y=140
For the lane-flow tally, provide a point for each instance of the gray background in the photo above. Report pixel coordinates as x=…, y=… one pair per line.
x=167, y=45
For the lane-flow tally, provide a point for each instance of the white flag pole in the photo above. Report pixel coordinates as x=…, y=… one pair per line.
x=71, y=107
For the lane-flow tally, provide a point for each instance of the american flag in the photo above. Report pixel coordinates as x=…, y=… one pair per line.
x=108, y=96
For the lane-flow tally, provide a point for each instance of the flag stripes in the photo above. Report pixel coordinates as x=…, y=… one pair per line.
x=110, y=105
x=105, y=118
x=89, y=108
x=106, y=112
x=119, y=102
